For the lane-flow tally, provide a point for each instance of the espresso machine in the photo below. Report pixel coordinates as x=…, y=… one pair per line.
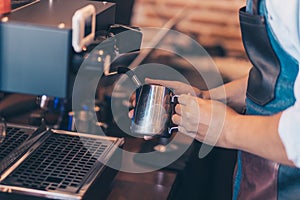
x=43, y=44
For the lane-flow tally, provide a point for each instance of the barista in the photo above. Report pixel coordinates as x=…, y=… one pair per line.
x=267, y=135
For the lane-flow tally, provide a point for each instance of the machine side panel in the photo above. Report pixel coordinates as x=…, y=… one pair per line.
x=34, y=60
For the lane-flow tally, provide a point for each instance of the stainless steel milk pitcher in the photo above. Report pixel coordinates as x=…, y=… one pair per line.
x=153, y=111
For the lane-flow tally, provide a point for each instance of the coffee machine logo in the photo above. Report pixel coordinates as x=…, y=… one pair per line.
x=175, y=61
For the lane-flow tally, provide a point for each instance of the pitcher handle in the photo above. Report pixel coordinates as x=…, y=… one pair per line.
x=172, y=129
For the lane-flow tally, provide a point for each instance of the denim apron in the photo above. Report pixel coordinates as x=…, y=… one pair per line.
x=270, y=90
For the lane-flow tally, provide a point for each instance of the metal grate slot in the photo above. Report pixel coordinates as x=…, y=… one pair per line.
x=14, y=137
x=61, y=163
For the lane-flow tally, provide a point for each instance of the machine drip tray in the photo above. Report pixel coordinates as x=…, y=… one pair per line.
x=56, y=165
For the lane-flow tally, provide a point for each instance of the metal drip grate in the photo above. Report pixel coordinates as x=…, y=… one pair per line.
x=61, y=163
x=14, y=137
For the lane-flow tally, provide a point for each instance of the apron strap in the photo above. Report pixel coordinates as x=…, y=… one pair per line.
x=255, y=7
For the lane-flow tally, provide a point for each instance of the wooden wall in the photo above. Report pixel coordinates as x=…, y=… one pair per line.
x=214, y=23
x=211, y=22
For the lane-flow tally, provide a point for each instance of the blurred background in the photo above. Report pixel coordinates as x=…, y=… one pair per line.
x=213, y=23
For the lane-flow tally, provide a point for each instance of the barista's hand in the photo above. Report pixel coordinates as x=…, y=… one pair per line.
x=178, y=87
x=205, y=120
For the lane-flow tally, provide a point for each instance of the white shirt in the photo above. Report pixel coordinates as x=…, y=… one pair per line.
x=284, y=18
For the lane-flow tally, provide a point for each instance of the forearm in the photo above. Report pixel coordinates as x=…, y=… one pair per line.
x=258, y=135
x=232, y=93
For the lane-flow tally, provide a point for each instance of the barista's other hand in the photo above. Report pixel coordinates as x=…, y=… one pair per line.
x=205, y=120
x=177, y=87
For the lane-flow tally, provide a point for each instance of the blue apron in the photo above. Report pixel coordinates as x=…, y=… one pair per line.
x=270, y=90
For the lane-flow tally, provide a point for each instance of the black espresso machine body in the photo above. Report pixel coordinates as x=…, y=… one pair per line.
x=36, y=50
